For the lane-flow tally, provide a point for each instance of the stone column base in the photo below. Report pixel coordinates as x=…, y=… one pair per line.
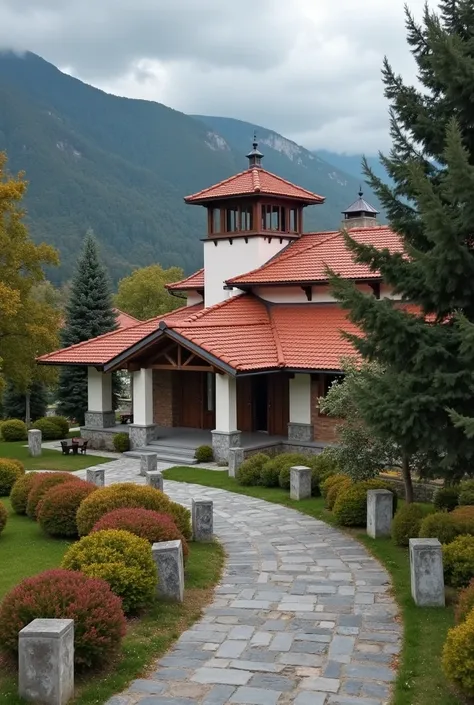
x=222, y=441
x=300, y=431
x=141, y=436
x=100, y=419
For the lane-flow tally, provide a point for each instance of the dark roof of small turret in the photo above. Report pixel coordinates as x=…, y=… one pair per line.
x=361, y=206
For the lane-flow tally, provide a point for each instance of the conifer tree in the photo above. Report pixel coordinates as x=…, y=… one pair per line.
x=89, y=313
x=15, y=402
x=431, y=207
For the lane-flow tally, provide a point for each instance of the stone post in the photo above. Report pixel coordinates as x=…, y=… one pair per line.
x=46, y=661
x=202, y=520
x=168, y=557
x=96, y=475
x=300, y=482
x=148, y=463
x=426, y=572
x=379, y=512
x=34, y=442
x=236, y=458
x=154, y=478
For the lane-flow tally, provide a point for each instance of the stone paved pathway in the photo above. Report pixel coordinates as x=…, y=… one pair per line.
x=303, y=615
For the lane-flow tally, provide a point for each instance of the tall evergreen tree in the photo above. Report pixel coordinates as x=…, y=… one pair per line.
x=431, y=207
x=89, y=313
x=15, y=402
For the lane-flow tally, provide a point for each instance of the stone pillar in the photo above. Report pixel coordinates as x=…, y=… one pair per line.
x=379, y=513
x=96, y=475
x=148, y=463
x=236, y=458
x=300, y=427
x=202, y=520
x=99, y=412
x=225, y=435
x=300, y=482
x=168, y=557
x=426, y=572
x=34, y=442
x=46, y=661
x=143, y=430
x=154, y=479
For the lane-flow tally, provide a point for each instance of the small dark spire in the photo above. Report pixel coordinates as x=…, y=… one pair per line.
x=361, y=193
x=255, y=157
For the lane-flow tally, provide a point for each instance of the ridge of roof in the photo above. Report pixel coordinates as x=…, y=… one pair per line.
x=182, y=283
x=276, y=337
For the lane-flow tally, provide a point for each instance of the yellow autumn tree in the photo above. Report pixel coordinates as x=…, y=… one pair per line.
x=143, y=293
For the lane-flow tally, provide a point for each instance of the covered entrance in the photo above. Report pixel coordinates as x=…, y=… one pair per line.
x=195, y=399
x=263, y=403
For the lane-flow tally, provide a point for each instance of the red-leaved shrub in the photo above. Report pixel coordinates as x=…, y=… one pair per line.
x=42, y=483
x=99, y=622
x=56, y=513
x=149, y=525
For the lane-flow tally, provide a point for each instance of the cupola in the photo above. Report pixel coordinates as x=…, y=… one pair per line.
x=360, y=214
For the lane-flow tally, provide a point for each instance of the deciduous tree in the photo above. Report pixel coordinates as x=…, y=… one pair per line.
x=143, y=294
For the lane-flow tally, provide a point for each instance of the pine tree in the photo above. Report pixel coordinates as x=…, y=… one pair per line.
x=431, y=207
x=14, y=402
x=89, y=313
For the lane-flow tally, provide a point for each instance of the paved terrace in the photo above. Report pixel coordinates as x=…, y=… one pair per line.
x=303, y=615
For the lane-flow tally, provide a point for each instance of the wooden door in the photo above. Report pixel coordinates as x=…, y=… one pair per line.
x=244, y=404
x=196, y=400
x=278, y=404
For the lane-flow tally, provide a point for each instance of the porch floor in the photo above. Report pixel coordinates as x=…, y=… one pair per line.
x=193, y=437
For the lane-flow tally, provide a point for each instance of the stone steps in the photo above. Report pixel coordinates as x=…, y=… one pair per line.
x=166, y=454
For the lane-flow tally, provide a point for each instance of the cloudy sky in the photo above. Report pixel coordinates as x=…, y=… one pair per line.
x=309, y=69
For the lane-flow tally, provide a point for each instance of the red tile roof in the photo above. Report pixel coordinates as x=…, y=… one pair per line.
x=124, y=320
x=306, y=259
x=194, y=281
x=254, y=181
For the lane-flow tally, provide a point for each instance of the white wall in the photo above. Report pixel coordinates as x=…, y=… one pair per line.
x=143, y=397
x=193, y=298
x=226, y=403
x=300, y=399
x=99, y=390
x=295, y=294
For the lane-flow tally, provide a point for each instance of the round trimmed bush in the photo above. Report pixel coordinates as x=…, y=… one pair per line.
x=121, y=442
x=250, y=472
x=145, y=523
x=61, y=422
x=339, y=484
x=441, y=526
x=99, y=622
x=464, y=517
x=9, y=474
x=466, y=492
x=49, y=430
x=126, y=494
x=14, y=430
x=406, y=523
x=123, y=560
x=458, y=656
x=465, y=603
x=446, y=498
x=57, y=510
x=270, y=475
x=18, y=463
x=328, y=482
x=3, y=516
x=20, y=491
x=41, y=484
x=285, y=462
x=458, y=561
x=326, y=465
x=350, y=508
x=204, y=454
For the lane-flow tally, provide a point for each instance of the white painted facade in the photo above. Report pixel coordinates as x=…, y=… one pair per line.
x=300, y=399
x=99, y=390
x=320, y=294
x=193, y=298
x=226, y=403
x=143, y=397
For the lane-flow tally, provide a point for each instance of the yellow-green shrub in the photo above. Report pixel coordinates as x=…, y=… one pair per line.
x=10, y=471
x=328, y=482
x=14, y=430
x=465, y=603
x=3, y=517
x=250, y=472
x=441, y=526
x=20, y=492
x=350, y=508
x=458, y=561
x=342, y=482
x=466, y=492
x=125, y=494
x=120, y=558
x=458, y=656
x=285, y=462
x=406, y=523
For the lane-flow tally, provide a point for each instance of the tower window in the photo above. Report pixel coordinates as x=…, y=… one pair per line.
x=274, y=218
x=232, y=220
x=294, y=220
x=246, y=218
x=215, y=220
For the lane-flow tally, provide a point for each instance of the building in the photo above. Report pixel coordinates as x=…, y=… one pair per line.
x=259, y=341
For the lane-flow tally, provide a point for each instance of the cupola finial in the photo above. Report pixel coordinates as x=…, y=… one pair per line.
x=255, y=157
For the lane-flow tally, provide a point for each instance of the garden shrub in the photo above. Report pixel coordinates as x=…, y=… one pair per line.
x=285, y=462
x=326, y=465
x=145, y=523
x=3, y=516
x=270, y=475
x=441, y=526
x=446, y=498
x=328, y=482
x=18, y=463
x=406, y=523
x=458, y=656
x=61, y=422
x=9, y=474
x=14, y=430
x=340, y=483
x=121, y=559
x=126, y=494
x=57, y=510
x=458, y=561
x=121, y=442
x=204, y=454
x=49, y=430
x=465, y=603
x=99, y=622
x=41, y=484
x=466, y=492
x=20, y=491
x=250, y=472
x=350, y=508
x=464, y=517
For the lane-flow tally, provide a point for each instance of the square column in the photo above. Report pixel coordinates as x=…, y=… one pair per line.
x=99, y=412
x=143, y=430
x=300, y=427
x=225, y=435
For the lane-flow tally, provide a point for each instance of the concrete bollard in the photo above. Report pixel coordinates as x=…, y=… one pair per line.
x=202, y=520
x=154, y=479
x=379, y=513
x=168, y=557
x=426, y=572
x=300, y=482
x=236, y=458
x=96, y=475
x=46, y=661
x=148, y=463
x=34, y=442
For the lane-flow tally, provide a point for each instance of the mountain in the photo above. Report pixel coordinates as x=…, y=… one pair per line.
x=352, y=164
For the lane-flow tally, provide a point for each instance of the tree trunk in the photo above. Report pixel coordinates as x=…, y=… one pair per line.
x=406, y=474
x=27, y=409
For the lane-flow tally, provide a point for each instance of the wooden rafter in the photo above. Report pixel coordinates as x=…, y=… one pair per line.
x=172, y=357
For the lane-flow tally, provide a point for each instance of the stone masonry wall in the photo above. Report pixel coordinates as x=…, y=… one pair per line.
x=422, y=491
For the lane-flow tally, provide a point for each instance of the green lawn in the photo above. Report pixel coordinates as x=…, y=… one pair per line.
x=50, y=459
x=420, y=680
